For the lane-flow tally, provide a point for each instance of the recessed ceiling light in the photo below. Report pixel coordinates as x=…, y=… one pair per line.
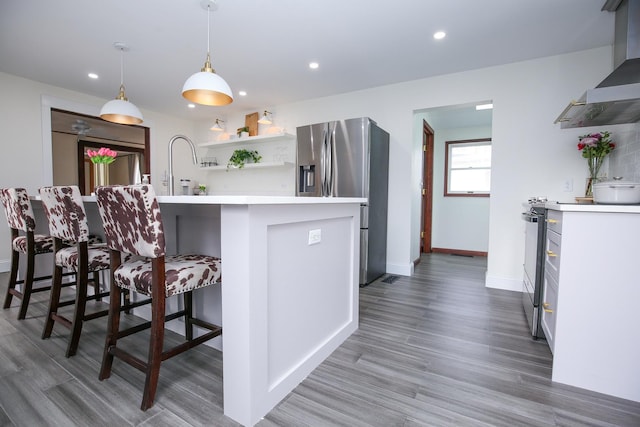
x=484, y=106
x=92, y=75
x=191, y=105
x=242, y=93
x=438, y=35
x=313, y=65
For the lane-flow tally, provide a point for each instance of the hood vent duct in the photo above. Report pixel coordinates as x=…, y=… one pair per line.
x=616, y=100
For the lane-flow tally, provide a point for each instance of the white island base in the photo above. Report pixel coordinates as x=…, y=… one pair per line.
x=288, y=299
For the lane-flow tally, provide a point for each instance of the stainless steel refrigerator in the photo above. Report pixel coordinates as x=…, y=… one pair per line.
x=350, y=158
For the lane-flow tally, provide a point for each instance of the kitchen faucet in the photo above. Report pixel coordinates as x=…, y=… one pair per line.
x=193, y=153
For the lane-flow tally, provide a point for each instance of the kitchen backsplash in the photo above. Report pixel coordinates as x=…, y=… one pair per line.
x=624, y=161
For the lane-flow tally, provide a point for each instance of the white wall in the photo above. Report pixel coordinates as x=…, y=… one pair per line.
x=531, y=155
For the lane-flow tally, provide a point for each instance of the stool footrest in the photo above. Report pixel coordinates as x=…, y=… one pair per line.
x=63, y=320
x=190, y=344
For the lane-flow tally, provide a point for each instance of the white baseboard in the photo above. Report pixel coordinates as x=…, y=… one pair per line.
x=401, y=269
x=503, y=283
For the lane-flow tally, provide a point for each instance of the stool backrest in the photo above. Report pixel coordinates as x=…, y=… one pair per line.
x=65, y=213
x=17, y=208
x=131, y=219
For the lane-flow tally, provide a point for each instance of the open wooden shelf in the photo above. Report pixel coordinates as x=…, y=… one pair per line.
x=261, y=165
x=247, y=140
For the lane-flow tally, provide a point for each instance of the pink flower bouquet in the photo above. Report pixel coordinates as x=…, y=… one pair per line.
x=103, y=155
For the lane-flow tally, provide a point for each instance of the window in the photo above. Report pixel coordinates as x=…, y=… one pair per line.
x=468, y=168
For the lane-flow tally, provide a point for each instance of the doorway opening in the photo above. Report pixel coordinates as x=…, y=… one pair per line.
x=456, y=225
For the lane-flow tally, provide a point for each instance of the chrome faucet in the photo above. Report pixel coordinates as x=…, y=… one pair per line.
x=193, y=153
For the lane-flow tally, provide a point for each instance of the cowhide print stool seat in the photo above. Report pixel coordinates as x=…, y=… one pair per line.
x=72, y=252
x=22, y=224
x=133, y=224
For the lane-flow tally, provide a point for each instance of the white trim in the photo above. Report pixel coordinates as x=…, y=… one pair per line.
x=401, y=269
x=503, y=283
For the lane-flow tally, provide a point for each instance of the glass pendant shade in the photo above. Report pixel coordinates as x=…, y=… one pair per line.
x=120, y=110
x=207, y=88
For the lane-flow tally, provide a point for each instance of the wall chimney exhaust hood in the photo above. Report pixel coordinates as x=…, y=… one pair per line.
x=616, y=99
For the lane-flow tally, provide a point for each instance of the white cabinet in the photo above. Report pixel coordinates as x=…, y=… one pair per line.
x=592, y=289
x=549, y=309
x=274, y=175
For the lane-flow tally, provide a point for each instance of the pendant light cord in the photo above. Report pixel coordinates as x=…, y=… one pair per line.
x=208, y=28
x=121, y=67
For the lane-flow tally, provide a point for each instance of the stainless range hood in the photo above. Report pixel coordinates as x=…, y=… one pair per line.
x=616, y=99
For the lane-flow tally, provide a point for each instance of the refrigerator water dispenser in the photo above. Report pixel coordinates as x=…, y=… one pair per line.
x=307, y=176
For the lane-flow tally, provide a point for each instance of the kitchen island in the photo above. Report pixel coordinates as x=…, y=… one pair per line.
x=289, y=293
x=591, y=296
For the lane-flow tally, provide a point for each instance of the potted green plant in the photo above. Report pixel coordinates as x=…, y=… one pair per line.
x=242, y=156
x=243, y=132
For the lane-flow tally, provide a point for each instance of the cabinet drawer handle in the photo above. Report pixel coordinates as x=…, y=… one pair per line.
x=551, y=253
x=552, y=221
x=546, y=310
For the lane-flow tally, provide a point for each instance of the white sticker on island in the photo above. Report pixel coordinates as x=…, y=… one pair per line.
x=315, y=236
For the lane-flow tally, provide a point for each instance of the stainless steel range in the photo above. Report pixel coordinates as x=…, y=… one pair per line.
x=534, y=216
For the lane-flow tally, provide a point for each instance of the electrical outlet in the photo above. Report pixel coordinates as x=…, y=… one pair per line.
x=315, y=236
x=568, y=185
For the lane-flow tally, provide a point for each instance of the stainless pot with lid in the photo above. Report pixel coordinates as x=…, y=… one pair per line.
x=617, y=192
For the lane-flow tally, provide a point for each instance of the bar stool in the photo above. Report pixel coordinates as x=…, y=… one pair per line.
x=72, y=251
x=20, y=218
x=133, y=224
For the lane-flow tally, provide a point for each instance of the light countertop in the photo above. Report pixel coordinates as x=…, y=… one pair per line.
x=258, y=200
x=590, y=207
x=245, y=200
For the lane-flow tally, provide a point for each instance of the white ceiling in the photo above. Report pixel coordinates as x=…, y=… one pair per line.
x=264, y=46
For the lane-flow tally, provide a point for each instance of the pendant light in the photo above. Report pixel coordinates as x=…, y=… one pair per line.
x=120, y=110
x=206, y=87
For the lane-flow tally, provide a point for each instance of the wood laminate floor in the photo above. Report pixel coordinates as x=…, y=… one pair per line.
x=435, y=349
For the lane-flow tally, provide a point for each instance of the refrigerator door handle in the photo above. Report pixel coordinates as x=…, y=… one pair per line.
x=329, y=162
x=323, y=165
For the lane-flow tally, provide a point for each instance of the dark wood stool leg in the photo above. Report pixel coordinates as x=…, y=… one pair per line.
x=158, y=302
x=27, y=284
x=188, y=316
x=113, y=326
x=78, y=312
x=96, y=285
x=54, y=300
x=126, y=295
x=155, y=353
x=13, y=277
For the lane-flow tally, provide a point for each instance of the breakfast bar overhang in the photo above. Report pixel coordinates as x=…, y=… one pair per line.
x=290, y=269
